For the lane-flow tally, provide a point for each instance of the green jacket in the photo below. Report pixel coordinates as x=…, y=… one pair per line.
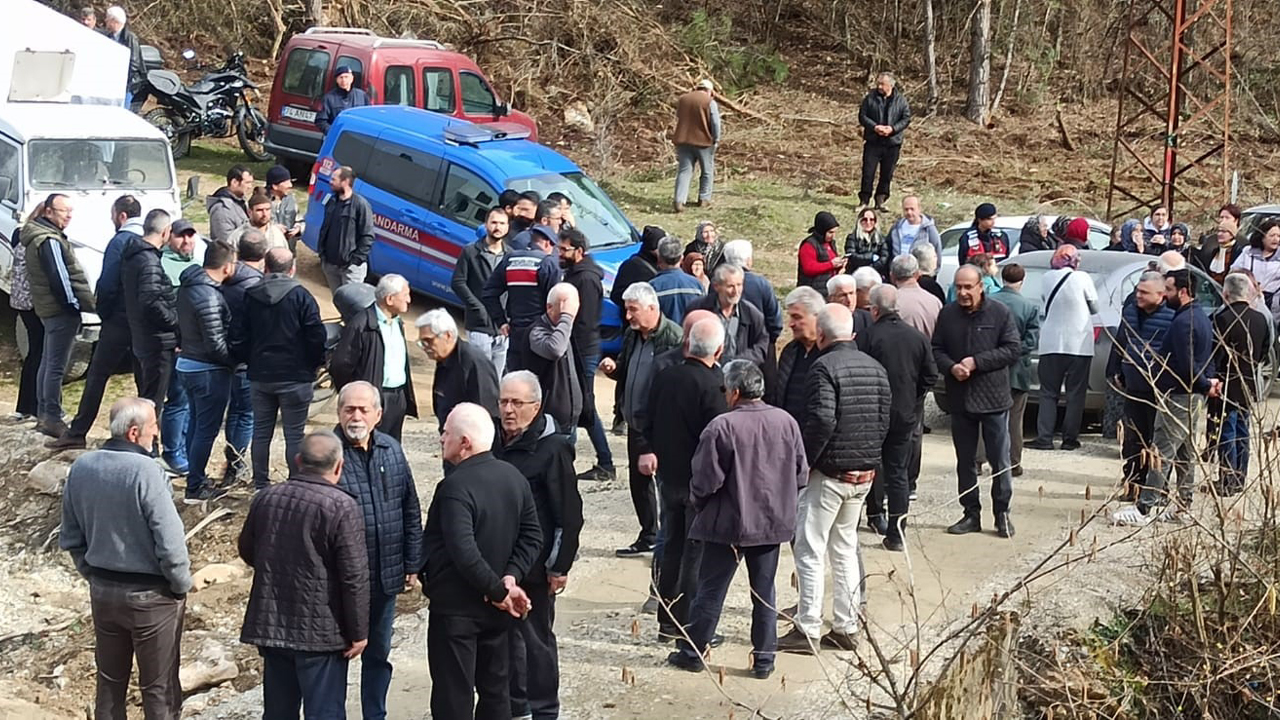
x=1027, y=315
x=667, y=336
x=58, y=283
x=174, y=263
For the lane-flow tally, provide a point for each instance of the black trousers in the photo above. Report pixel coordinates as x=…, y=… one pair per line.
x=1056, y=369
x=535, y=660
x=154, y=373
x=719, y=565
x=1139, y=424
x=113, y=351
x=877, y=155
x=469, y=656
x=394, y=405
x=895, y=471
x=917, y=446
x=643, y=497
x=994, y=429
x=678, y=573
x=28, y=397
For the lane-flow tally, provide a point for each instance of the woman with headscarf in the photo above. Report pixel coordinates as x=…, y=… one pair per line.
x=706, y=242
x=1216, y=258
x=1180, y=239
x=1134, y=239
x=1262, y=260
x=817, y=260
x=867, y=247
x=1035, y=235
x=694, y=264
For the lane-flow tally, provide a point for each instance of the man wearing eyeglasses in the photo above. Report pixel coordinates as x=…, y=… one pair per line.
x=530, y=441
x=463, y=372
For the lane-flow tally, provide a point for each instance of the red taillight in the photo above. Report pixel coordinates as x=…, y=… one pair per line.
x=311, y=185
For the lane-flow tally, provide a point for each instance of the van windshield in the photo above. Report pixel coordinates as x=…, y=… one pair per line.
x=94, y=164
x=598, y=218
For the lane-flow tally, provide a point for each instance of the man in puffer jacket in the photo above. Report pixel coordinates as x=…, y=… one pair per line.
x=848, y=407
x=251, y=254
x=226, y=206
x=204, y=370
x=151, y=302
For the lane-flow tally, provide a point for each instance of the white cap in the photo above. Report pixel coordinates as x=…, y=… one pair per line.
x=706, y=84
x=115, y=12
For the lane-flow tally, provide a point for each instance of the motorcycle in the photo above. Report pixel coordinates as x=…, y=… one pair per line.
x=218, y=106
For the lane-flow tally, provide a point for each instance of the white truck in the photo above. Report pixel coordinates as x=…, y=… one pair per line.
x=64, y=129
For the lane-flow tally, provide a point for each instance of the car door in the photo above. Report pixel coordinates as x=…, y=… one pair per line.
x=478, y=99
x=465, y=201
x=10, y=206
x=401, y=184
x=439, y=89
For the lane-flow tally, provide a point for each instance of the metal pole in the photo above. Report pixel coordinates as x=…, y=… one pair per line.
x=1175, y=107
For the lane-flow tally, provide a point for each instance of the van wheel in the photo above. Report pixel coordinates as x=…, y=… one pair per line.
x=167, y=123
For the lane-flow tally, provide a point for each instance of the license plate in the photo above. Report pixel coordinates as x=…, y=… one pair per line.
x=293, y=113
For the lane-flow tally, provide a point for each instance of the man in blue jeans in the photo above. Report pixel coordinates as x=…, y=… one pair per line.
x=375, y=471
x=251, y=252
x=582, y=272
x=177, y=255
x=282, y=339
x=205, y=366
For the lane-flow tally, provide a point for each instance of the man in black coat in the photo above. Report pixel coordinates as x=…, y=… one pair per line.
x=530, y=441
x=151, y=303
x=375, y=471
x=1242, y=335
x=975, y=344
x=373, y=349
x=685, y=398
x=481, y=539
x=463, y=373
x=251, y=254
x=282, y=339
x=117, y=28
x=641, y=267
x=475, y=264
x=802, y=307
x=205, y=367
x=582, y=272
x=907, y=357
x=746, y=335
x=344, y=96
x=346, y=233
x=884, y=117
x=308, y=610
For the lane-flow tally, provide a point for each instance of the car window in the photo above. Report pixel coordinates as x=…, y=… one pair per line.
x=357, y=70
x=598, y=218
x=437, y=90
x=477, y=98
x=467, y=198
x=354, y=149
x=398, y=86
x=951, y=238
x=10, y=169
x=95, y=164
x=404, y=172
x=305, y=72
x=1208, y=292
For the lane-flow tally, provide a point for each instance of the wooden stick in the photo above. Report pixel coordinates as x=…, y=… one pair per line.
x=215, y=515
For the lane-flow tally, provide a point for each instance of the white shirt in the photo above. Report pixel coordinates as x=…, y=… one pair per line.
x=1067, y=327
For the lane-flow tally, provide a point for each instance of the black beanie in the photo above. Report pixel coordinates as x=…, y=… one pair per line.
x=823, y=222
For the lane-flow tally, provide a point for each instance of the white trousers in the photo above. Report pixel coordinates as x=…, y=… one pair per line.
x=827, y=525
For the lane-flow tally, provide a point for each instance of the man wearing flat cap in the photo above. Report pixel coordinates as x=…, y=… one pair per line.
x=983, y=236
x=343, y=97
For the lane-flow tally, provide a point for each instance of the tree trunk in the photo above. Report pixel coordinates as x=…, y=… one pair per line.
x=1008, y=56
x=930, y=59
x=980, y=64
x=315, y=13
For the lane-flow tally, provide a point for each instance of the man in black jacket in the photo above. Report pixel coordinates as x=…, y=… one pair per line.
x=346, y=233
x=1242, y=344
x=553, y=359
x=481, y=539
x=907, y=357
x=151, y=303
x=308, y=610
x=375, y=471
x=641, y=267
x=802, y=307
x=282, y=339
x=884, y=117
x=117, y=28
x=251, y=256
x=746, y=335
x=582, y=272
x=975, y=344
x=206, y=365
x=475, y=264
x=847, y=415
x=463, y=374
x=544, y=456
x=516, y=293
x=343, y=96
x=685, y=398
x=548, y=215
x=373, y=349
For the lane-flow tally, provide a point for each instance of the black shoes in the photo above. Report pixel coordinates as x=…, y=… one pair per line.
x=204, y=494
x=1069, y=445
x=55, y=429
x=761, y=673
x=878, y=524
x=619, y=427
x=598, y=473
x=797, y=642
x=1004, y=526
x=1016, y=470
x=67, y=442
x=968, y=524
x=1042, y=445
x=839, y=641
x=684, y=662
x=635, y=549
x=893, y=544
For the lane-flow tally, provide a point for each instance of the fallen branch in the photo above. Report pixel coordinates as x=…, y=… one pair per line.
x=215, y=515
x=1064, y=137
x=42, y=631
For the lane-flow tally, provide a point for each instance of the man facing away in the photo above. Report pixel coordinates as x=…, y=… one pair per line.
x=481, y=539
x=463, y=374
x=1242, y=346
x=346, y=233
x=1027, y=317
x=696, y=137
x=124, y=534
x=251, y=255
x=151, y=303
x=1069, y=301
x=373, y=349
x=475, y=264
x=227, y=207
x=676, y=289
x=554, y=360
x=375, y=471
x=884, y=117
x=308, y=611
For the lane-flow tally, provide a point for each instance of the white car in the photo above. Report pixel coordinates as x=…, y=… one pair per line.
x=1099, y=238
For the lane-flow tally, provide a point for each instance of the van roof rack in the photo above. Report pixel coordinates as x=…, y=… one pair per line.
x=321, y=29
x=467, y=134
x=391, y=42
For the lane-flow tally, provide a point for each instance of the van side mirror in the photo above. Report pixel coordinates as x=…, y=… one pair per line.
x=193, y=187
x=501, y=109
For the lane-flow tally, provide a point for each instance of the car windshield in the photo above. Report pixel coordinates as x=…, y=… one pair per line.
x=93, y=164
x=596, y=215
x=1251, y=224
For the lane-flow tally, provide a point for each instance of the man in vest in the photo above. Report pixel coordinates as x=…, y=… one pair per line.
x=696, y=138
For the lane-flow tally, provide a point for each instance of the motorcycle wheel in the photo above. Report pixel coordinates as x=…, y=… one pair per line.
x=179, y=142
x=251, y=131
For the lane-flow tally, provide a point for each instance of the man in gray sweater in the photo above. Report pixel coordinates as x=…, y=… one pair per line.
x=123, y=531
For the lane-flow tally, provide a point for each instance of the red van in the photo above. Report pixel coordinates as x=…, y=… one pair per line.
x=420, y=73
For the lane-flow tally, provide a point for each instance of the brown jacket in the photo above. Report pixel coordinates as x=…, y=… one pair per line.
x=693, y=120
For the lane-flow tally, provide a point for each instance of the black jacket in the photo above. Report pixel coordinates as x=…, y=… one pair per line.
x=237, y=285
x=360, y=355
x=107, y=293
x=791, y=360
x=1030, y=239
x=641, y=267
x=848, y=411
x=990, y=336
x=381, y=481
x=464, y=376
x=516, y=292
x=150, y=300
x=470, y=274
x=880, y=110
x=204, y=320
x=137, y=68
x=545, y=458
x=346, y=233
x=907, y=358
x=335, y=101
x=588, y=278
x=684, y=398
x=930, y=284
x=482, y=525
x=551, y=356
x=304, y=540
x=1242, y=334
x=752, y=340
x=280, y=336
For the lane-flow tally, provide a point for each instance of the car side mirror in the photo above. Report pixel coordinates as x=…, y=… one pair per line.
x=193, y=187
x=501, y=109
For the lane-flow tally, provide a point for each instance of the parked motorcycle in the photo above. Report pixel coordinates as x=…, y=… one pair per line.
x=217, y=106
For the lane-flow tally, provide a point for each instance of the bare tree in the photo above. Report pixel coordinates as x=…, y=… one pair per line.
x=980, y=64
x=1008, y=56
x=930, y=59
x=315, y=12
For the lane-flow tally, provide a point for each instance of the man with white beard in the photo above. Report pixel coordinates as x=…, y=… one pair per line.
x=375, y=472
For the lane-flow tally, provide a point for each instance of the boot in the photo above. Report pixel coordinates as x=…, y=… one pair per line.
x=880, y=201
x=967, y=524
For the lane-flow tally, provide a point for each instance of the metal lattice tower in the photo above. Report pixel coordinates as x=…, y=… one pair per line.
x=1173, y=126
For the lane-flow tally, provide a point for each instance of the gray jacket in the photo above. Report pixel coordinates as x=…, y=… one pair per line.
x=226, y=213
x=928, y=231
x=119, y=520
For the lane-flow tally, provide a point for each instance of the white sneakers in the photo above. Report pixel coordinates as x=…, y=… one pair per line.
x=1129, y=516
